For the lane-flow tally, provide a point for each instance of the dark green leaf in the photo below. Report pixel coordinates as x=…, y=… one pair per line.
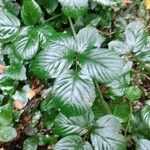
x=72, y=142
x=31, y=12
x=74, y=8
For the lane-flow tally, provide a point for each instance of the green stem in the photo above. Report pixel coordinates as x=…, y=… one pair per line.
x=52, y=18
x=101, y=99
x=72, y=27
x=129, y=120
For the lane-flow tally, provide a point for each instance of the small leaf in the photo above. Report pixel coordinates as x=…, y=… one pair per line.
x=73, y=125
x=106, y=134
x=135, y=35
x=143, y=144
x=88, y=38
x=74, y=8
x=101, y=64
x=31, y=12
x=7, y=134
x=53, y=61
x=72, y=142
x=31, y=143
x=147, y=3
x=145, y=113
x=25, y=47
x=9, y=26
x=73, y=93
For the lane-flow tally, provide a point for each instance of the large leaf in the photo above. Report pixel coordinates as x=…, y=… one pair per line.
x=106, y=135
x=7, y=134
x=145, y=113
x=25, y=47
x=74, y=8
x=107, y=2
x=53, y=61
x=143, y=144
x=74, y=93
x=73, y=125
x=135, y=36
x=9, y=26
x=72, y=142
x=102, y=64
x=88, y=38
x=31, y=12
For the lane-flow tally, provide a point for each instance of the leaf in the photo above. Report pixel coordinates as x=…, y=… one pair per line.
x=72, y=142
x=74, y=8
x=143, y=144
x=16, y=71
x=49, y=5
x=88, y=38
x=145, y=113
x=144, y=57
x=5, y=115
x=147, y=3
x=101, y=64
x=52, y=61
x=135, y=35
x=73, y=93
x=31, y=143
x=25, y=47
x=119, y=47
x=7, y=134
x=107, y=2
x=31, y=12
x=78, y=125
x=9, y=26
x=106, y=135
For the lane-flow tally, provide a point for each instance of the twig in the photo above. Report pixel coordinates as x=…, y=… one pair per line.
x=101, y=99
x=72, y=27
x=52, y=18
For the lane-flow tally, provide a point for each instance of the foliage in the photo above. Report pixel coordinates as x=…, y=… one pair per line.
x=74, y=74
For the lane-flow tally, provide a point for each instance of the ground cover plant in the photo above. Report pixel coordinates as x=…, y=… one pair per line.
x=74, y=75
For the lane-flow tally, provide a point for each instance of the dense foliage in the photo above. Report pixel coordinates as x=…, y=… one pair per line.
x=74, y=75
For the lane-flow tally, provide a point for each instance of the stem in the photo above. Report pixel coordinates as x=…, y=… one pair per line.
x=129, y=120
x=52, y=18
x=72, y=27
x=101, y=99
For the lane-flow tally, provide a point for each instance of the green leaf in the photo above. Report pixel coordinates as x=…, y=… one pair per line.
x=135, y=35
x=31, y=12
x=107, y=2
x=144, y=57
x=9, y=26
x=119, y=47
x=106, y=135
x=145, y=113
x=101, y=64
x=25, y=47
x=73, y=125
x=49, y=5
x=143, y=144
x=88, y=38
x=73, y=93
x=31, y=143
x=74, y=8
x=16, y=72
x=5, y=115
x=7, y=134
x=72, y=142
x=52, y=61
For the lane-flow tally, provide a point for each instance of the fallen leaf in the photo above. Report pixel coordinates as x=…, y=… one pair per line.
x=2, y=67
x=147, y=3
x=31, y=94
x=18, y=105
